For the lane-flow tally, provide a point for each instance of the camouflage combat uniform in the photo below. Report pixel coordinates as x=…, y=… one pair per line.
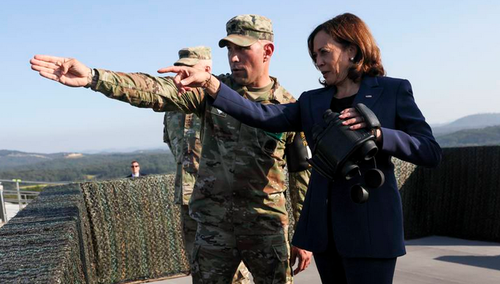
x=238, y=200
x=240, y=181
x=182, y=134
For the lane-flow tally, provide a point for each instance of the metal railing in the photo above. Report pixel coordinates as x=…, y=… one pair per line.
x=21, y=197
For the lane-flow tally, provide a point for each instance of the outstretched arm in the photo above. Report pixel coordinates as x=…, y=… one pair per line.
x=137, y=89
x=67, y=71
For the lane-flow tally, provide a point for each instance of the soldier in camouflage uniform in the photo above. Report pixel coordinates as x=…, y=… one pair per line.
x=182, y=134
x=238, y=199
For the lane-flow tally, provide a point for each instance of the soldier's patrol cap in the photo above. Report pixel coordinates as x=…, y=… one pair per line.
x=192, y=55
x=245, y=30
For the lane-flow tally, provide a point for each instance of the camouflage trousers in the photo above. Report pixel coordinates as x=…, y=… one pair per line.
x=242, y=275
x=217, y=254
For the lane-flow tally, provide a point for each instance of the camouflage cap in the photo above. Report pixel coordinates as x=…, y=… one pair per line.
x=192, y=55
x=245, y=30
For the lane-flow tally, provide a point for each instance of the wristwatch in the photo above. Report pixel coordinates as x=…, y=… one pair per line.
x=95, y=78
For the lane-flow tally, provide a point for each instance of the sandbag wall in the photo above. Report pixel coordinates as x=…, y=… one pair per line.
x=460, y=198
x=97, y=232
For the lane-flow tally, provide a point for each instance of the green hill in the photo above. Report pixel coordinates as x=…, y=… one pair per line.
x=471, y=137
x=474, y=121
x=9, y=158
x=80, y=167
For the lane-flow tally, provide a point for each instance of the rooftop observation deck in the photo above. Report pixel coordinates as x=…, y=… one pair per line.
x=430, y=260
x=88, y=233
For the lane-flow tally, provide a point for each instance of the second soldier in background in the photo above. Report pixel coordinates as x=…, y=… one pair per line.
x=182, y=134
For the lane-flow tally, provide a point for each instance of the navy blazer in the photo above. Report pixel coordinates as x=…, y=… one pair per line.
x=372, y=229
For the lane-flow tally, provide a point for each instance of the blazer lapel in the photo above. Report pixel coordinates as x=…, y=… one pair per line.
x=368, y=94
x=369, y=91
x=319, y=103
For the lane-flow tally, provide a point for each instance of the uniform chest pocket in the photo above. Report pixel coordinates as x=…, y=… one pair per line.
x=269, y=141
x=269, y=146
x=221, y=126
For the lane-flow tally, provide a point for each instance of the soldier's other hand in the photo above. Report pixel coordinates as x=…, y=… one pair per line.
x=304, y=258
x=67, y=71
x=188, y=77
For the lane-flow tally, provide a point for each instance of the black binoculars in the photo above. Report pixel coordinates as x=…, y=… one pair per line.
x=338, y=151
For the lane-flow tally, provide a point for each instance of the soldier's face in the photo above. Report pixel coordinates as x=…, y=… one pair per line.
x=247, y=63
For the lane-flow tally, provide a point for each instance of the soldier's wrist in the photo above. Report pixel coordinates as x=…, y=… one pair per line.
x=92, y=78
x=211, y=85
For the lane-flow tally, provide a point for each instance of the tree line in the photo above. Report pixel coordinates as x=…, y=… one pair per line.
x=471, y=137
x=90, y=167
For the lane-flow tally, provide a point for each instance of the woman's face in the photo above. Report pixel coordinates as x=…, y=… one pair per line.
x=331, y=59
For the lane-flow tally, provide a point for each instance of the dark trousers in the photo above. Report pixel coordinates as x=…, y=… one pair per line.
x=334, y=269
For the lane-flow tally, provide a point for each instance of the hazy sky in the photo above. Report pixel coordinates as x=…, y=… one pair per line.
x=449, y=50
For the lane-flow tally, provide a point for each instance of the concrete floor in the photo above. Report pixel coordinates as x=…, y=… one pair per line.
x=429, y=260
x=448, y=260
x=11, y=210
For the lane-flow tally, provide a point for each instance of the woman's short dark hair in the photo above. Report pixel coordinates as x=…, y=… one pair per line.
x=348, y=29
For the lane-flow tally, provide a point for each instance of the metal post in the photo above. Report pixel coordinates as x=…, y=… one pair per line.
x=3, y=210
x=18, y=193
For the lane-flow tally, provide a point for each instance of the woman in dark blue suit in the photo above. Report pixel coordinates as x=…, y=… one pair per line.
x=352, y=243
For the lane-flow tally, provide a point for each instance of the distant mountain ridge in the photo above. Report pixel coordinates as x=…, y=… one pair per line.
x=475, y=121
x=12, y=158
x=471, y=137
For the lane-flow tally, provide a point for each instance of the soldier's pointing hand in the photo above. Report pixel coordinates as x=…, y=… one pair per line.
x=188, y=77
x=67, y=71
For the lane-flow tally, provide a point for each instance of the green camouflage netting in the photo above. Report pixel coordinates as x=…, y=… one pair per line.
x=136, y=229
x=47, y=242
x=97, y=232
